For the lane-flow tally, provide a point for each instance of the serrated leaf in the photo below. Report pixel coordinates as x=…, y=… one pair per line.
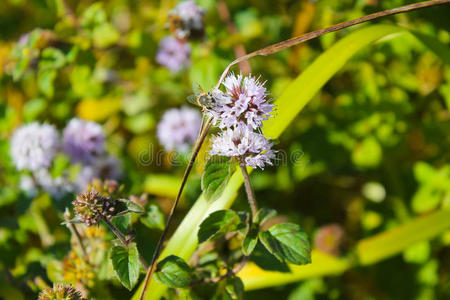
x=126, y=264
x=122, y=222
x=154, y=218
x=131, y=207
x=264, y=214
x=288, y=243
x=174, y=272
x=216, y=175
x=250, y=240
x=217, y=224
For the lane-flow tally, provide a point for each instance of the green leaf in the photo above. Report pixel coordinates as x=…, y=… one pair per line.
x=234, y=288
x=174, y=272
x=154, y=218
x=105, y=35
x=264, y=214
x=250, y=240
x=130, y=206
x=122, y=223
x=368, y=153
x=217, y=224
x=126, y=264
x=46, y=79
x=288, y=243
x=216, y=175
x=440, y=49
x=51, y=58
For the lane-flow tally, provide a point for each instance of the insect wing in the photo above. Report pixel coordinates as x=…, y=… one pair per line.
x=192, y=99
x=196, y=88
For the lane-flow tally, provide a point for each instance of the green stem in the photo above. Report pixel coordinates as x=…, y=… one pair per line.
x=249, y=189
x=203, y=133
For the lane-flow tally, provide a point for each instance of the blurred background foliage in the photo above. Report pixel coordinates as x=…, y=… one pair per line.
x=370, y=152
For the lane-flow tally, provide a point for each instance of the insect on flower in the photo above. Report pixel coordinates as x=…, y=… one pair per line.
x=205, y=100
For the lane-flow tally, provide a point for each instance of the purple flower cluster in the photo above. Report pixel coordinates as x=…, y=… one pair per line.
x=186, y=20
x=173, y=54
x=250, y=147
x=244, y=103
x=83, y=141
x=178, y=128
x=239, y=112
x=34, y=147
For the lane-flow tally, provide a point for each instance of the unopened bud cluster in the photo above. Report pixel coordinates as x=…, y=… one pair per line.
x=91, y=207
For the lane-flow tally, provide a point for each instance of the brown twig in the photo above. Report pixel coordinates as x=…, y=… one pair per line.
x=122, y=239
x=229, y=273
x=239, y=49
x=249, y=190
x=203, y=133
x=305, y=37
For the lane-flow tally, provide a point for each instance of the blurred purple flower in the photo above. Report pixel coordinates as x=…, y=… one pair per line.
x=244, y=102
x=178, y=128
x=173, y=54
x=106, y=167
x=250, y=148
x=186, y=20
x=34, y=146
x=83, y=141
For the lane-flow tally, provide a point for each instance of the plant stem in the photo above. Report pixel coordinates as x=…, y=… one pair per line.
x=77, y=235
x=311, y=35
x=122, y=239
x=203, y=133
x=249, y=190
x=74, y=231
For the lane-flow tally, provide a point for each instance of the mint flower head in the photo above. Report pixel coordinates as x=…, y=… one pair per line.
x=173, y=54
x=248, y=147
x=92, y=206
x=83, y=141
x=34, y=146
x=186, y=20
x=178, y=128
x=244, y=102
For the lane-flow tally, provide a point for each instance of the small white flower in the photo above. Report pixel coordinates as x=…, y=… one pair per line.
x=243, y=103
x=34, y=146
x=178, y=128
x=250, y=148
